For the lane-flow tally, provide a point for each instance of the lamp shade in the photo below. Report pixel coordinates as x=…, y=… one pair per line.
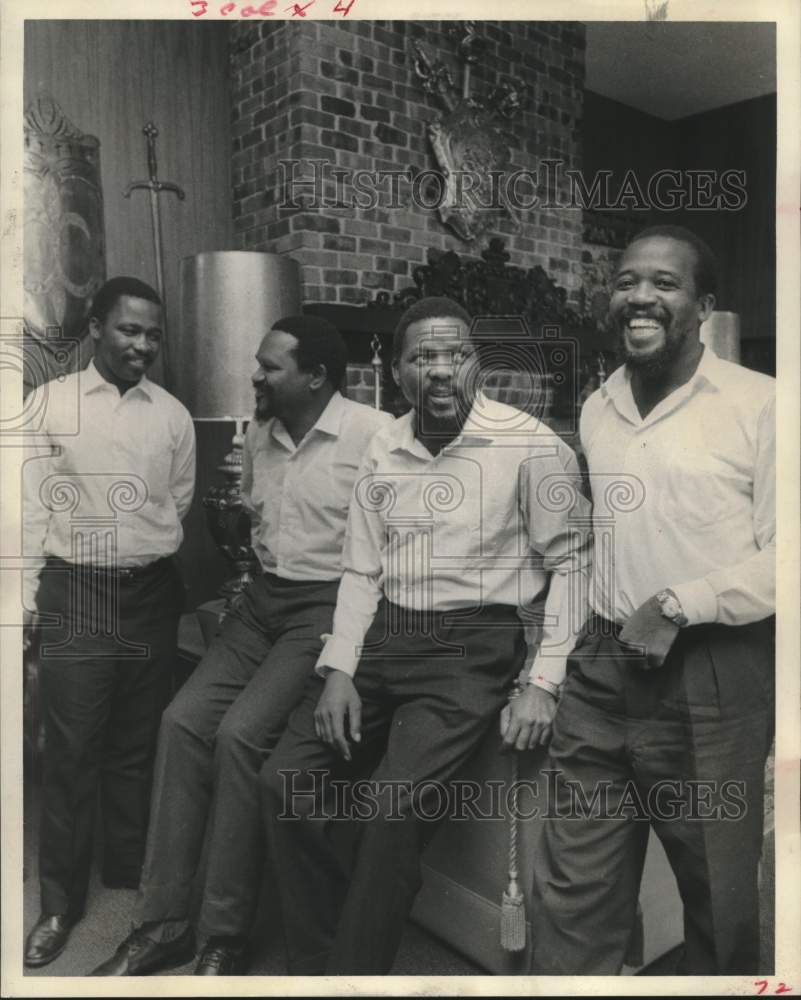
x=228, y=301
x=721, y=332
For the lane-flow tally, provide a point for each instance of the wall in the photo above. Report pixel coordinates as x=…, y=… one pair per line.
x=110, y=77
x=743, y=137
x=348, y=93
x=740, y=136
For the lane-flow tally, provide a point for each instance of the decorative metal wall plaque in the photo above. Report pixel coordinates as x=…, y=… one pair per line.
x=64, y=241
x=470, y=140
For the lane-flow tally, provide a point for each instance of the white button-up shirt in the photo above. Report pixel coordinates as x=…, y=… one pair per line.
x=114, y=479
x=685, y=497
x=298, y=497
x=497, y=517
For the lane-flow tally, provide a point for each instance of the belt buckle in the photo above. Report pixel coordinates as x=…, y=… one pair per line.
x=126, y=573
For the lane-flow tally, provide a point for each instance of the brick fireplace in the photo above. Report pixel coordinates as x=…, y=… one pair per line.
x=306, y=92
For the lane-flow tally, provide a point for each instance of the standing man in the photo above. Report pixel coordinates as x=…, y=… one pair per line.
x=301, y=455
x=452, y=534
x=669, y=698
x=102, y=519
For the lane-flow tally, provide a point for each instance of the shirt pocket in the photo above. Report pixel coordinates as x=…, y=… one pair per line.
x=700, y=489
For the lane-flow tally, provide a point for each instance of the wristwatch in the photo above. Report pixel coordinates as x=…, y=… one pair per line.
x=671, y=608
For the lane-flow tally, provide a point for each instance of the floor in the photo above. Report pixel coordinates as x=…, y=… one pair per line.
x=108, y=917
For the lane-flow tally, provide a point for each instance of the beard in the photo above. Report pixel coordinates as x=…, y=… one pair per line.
x=262, y=411
x=657, y=363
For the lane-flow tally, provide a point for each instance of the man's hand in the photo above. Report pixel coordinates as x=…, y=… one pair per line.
x=526, y=721
x=648, y=629
x=339, y=700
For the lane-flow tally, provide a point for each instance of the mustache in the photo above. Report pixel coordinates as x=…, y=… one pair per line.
x=657, y=314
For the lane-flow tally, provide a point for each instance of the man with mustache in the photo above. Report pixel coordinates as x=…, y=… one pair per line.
x=102, y=519
x=301, y=454
x=667, y=709
x=451, y=539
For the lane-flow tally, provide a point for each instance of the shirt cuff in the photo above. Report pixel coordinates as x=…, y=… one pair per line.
x=547, y=672
x=540, y=682
x=698, y=600
x=338, y=654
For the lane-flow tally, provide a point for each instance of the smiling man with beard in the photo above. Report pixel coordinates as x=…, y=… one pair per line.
x=672, y=682
x=102, y=519
x=301, y=455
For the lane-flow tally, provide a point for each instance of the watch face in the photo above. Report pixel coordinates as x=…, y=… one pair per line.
x=670, y=606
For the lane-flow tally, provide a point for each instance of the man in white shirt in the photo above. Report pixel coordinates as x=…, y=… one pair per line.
x=103, y=504
x=301, y=455
x=667, y=711
x=455, y=530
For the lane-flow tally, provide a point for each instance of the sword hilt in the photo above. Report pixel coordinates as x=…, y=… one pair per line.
x=153, y=184
x=151, y=132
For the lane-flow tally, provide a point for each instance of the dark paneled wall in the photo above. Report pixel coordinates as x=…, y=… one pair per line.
x=743, y=137
x=110, y=77
x=737, y=137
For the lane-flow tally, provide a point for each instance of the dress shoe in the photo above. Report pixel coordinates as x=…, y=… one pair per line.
x=139, y=955
x=223, y=956
x=47, y=939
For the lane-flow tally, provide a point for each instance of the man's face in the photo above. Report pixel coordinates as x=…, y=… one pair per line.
x=436, y=371
x=128, y=340
x=280, y=386
x=655, y=306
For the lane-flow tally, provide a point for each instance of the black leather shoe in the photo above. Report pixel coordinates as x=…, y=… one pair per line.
x=139, y=955
x=223, y=957
x=47, y=939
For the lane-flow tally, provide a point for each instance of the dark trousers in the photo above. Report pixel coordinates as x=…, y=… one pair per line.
x=681, y=749
x=425, y=706
x=105, y=666
x=215, y=735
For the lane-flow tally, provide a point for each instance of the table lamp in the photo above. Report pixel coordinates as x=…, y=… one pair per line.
x=721, y=332
x=228, y=301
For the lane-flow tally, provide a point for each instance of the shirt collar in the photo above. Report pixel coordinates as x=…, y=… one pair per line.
x=92, y=381
x=329, y=422
x=474, y=428
x=710, y=369
x=711, y=372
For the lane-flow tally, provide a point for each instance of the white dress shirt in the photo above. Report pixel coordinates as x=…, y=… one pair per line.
x=703, y=521
x=298, y=497
x=483, y=522
x=114, y=479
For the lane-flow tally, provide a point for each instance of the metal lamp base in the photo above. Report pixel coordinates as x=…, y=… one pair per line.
x=229, y=522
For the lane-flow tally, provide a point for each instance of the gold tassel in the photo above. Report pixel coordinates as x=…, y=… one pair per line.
x=513, y=919
x=513, y=906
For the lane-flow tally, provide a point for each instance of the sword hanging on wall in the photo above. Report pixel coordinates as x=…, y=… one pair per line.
x=378, y=369
x=155, y=187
